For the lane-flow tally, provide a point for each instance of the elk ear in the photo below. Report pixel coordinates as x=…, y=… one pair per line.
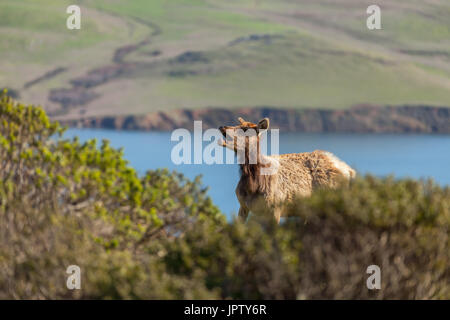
x=241, y=120
x=263, y=124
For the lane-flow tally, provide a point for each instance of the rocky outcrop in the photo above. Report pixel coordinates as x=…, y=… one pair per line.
x=358, y=119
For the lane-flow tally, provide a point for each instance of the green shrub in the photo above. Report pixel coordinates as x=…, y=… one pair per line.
x=401, y=226
x=63, y=202
x=323, y=249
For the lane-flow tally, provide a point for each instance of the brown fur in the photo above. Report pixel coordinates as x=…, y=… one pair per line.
x=295, y=174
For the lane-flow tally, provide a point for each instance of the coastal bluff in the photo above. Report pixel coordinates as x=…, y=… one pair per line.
x=357, y=119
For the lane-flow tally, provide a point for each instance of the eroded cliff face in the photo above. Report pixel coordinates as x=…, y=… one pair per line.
x=358, y=119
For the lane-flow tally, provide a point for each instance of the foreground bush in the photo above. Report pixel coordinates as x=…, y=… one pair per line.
x=159, y=237
x=401, y=226
x=323, y=250
x=63, y=202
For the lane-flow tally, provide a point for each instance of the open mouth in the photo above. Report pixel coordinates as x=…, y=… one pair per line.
x=223, y=130
x=226, y=138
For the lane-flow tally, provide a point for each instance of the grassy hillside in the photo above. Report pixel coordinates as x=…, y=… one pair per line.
x=166, y=54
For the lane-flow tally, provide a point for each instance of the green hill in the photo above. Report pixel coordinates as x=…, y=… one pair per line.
x=141, y=56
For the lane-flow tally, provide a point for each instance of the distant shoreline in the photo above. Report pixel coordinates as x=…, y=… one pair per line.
x=358, y=119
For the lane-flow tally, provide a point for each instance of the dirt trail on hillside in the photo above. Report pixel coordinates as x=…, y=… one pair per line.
x=81, y=91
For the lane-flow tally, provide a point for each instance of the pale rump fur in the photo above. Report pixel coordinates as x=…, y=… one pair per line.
x=295, y=174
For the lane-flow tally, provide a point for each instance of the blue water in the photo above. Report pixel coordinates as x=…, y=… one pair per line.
x=417, y=156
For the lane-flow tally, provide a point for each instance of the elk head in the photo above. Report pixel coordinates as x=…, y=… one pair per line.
x=244, y=138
